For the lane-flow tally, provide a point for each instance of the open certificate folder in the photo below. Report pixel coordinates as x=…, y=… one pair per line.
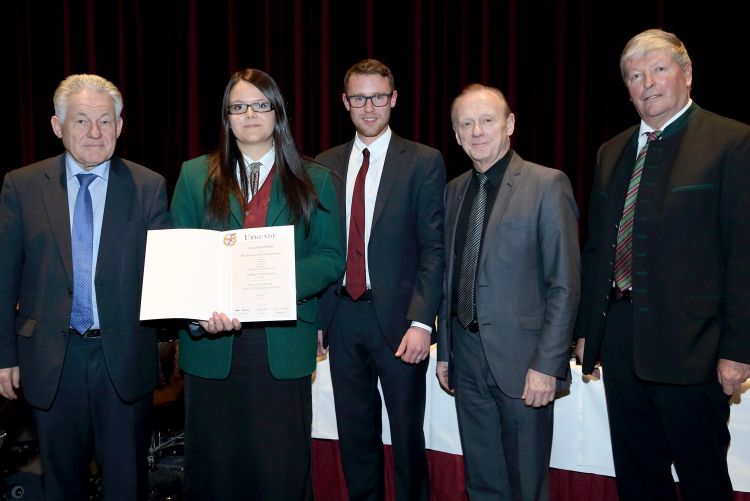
x=247, y=274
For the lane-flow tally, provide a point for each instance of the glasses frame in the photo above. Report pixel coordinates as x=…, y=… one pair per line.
x=371, y=99
x=252, y=106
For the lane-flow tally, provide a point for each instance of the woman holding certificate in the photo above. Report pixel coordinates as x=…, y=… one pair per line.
x=248, y=403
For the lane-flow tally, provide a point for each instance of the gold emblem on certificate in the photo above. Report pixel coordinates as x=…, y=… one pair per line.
x=230, y=239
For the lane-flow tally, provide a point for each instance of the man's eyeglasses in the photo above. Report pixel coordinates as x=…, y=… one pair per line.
x=241, y=108
x=378, y=100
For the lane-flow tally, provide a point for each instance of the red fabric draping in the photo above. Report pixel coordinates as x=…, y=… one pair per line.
x=447, y=478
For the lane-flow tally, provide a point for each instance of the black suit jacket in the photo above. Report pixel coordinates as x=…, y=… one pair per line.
x=37, y=276
x=691, y=249
x=405, y=250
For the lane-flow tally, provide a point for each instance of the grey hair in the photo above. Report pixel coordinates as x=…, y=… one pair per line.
x=77, y=83
x=651, y=40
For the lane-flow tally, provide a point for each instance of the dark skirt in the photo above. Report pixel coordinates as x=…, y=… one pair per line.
x=248, y=436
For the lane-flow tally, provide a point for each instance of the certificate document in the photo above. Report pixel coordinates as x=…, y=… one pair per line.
x=247, y=274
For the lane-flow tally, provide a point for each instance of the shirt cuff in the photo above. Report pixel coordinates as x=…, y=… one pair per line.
x=426, y=327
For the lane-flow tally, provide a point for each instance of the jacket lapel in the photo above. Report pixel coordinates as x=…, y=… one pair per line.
x=391, y=171
x=277, y=204
x=510, y=180
x=117, y=210
x=237, y=213
x=341, y=167
x=611, y=156
x=453, y=204
x=55, y=198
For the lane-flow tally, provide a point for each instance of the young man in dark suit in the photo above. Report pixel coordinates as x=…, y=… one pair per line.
x=665, y=305
x=72, y=244
x=379, y=317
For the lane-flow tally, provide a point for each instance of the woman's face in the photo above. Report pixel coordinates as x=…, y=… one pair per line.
x=253, y=130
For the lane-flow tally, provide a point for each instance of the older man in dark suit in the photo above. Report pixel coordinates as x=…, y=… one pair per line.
x=665, y=278
x=379, y=317
x=511, y=291
x=72, y=243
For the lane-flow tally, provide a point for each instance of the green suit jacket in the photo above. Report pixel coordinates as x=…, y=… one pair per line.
x=319, y=258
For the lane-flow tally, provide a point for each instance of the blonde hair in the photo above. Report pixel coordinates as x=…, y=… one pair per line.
x=651, y=40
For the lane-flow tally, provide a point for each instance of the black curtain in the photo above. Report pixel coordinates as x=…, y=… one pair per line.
x=557, y=62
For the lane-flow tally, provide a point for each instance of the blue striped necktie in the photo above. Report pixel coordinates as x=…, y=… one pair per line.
x=82, y=313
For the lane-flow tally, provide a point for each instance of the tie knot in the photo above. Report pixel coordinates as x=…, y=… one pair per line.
x=85, y=179
x=481, y=177
x=366, y=154
x=653, y=136
x=255, y=167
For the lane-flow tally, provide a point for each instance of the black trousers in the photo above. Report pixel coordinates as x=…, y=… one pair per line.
x=248, y=436
x=359, y=355
x=88, y=419
x=653, y=425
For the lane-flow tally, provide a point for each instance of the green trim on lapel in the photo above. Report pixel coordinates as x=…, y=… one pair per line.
x=679, y=124
x=693, y=187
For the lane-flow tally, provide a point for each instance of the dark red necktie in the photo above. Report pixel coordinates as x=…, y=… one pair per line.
x=356, y=276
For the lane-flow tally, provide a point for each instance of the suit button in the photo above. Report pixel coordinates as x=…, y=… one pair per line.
x=604, y=313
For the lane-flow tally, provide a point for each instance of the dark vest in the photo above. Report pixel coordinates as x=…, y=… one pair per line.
x=657, y=170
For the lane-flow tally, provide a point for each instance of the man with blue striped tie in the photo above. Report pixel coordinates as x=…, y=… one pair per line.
x=72, y=244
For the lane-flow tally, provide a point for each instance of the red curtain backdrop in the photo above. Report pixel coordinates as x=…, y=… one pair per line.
x=557, y=62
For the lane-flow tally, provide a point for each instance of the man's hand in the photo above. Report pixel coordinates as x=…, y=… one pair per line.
x=441, y=371
x=539, y=389
x=732, y=374
x=415, y=345
x=580, y=345
x=10, y=380
x=321, y=351
x=220, y=322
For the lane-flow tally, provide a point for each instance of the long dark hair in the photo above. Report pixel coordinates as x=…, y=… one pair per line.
x=222, y=180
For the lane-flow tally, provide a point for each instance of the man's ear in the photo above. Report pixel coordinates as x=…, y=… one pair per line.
x=56, y=126
x=510, y=124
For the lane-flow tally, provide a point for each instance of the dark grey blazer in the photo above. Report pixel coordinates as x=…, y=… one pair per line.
x=37, y=275
x=405, y=251
x=528, y=278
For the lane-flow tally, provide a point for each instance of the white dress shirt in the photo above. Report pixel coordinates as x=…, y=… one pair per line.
x=377, y=149
x=267, y=162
